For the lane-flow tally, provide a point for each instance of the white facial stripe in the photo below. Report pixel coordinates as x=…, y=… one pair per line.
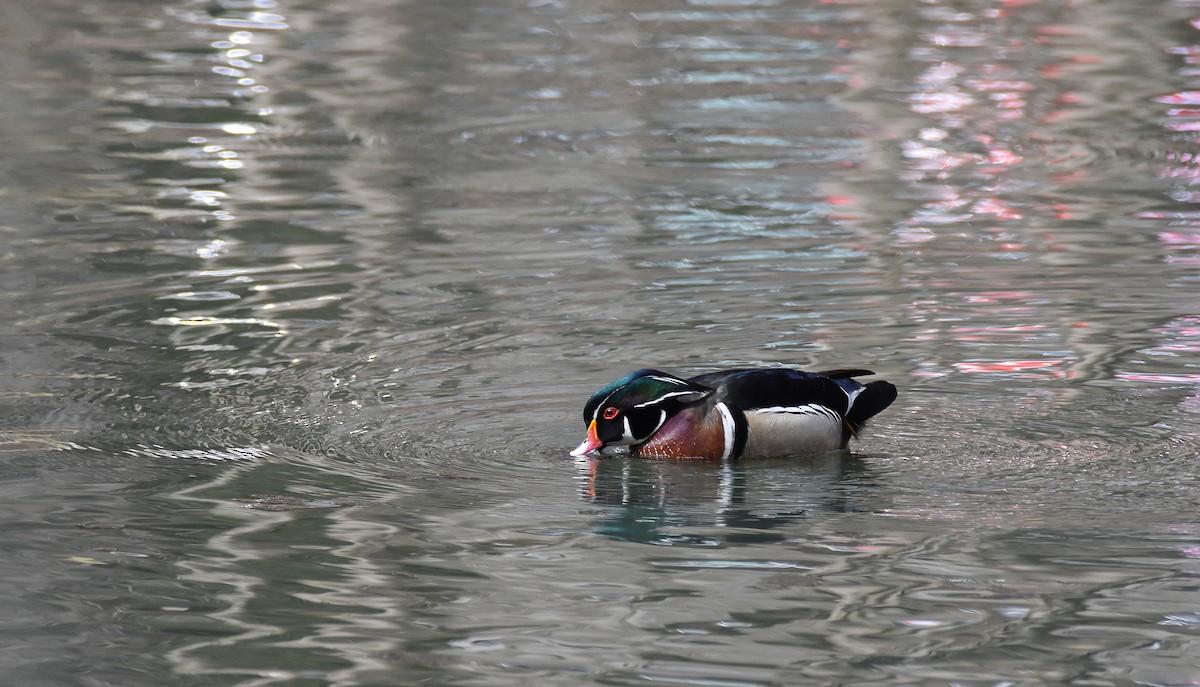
x=676, y=382
x=601, y=405
x=664, y=397
x=727, y=425
x=628, y=435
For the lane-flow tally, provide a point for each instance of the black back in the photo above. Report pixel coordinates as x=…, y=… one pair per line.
x=750, y=389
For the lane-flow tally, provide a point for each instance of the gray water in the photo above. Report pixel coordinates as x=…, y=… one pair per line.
x=302, y=301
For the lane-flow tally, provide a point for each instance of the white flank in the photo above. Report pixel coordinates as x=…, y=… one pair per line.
x=792, y=430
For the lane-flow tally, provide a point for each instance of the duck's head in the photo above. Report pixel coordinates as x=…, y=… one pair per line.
x=630, y=410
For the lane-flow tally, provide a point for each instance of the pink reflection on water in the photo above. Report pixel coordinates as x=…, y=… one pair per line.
x=1180, y=98
x=990, y=102
x=930, y=103
x=997, y=208
x=991, y=333
x=1181, y=247
x=1053, y=367
x=1180, y=239
x=998, y=296
x=1160, y=378
x=1183, y=118
x=977, y=93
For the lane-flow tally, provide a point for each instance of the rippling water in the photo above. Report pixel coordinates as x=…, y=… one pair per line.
x=302, y=301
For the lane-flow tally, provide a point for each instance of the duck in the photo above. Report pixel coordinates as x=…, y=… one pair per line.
x=732, y=414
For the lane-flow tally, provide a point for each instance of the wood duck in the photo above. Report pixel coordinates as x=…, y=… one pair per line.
x=732, y=413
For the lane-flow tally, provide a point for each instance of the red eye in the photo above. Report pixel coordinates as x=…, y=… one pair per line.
x=610, y=413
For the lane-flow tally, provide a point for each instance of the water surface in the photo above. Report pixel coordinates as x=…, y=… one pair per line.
x=302, y=301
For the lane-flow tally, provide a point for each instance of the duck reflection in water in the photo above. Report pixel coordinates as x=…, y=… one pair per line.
x=706, y=504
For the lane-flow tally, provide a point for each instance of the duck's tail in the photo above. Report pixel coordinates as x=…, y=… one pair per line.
x=869, y=402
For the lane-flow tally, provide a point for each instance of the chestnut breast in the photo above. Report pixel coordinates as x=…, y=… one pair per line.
x=697, y=433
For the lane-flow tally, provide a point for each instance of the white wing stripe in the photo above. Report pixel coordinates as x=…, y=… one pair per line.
x=810, y=409
x=850, y=396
